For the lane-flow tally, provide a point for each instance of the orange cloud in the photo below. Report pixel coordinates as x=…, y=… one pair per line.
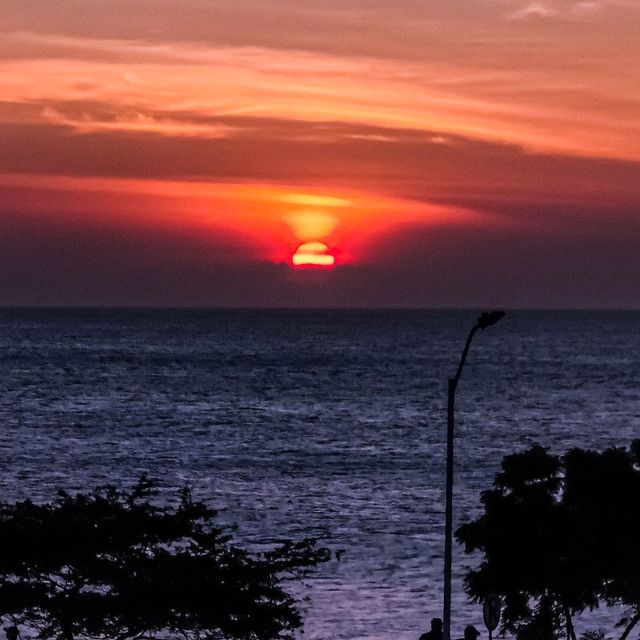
x=582, y=108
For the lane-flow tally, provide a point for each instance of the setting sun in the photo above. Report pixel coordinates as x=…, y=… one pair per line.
x=313, y=254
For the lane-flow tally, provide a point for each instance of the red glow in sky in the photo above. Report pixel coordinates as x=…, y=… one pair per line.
x=489, y=155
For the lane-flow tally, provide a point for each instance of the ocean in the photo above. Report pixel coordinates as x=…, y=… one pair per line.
x=320, y=423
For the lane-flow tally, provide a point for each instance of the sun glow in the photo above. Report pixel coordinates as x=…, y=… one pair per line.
x=313, y=254
x=260, y=222
x=309, y=225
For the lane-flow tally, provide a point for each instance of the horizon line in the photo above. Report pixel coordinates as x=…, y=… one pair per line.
x=143, y=307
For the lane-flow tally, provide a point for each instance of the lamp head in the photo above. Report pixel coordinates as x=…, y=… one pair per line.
x=490, y=317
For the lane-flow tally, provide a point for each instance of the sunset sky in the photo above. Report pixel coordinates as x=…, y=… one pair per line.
x=426, y=153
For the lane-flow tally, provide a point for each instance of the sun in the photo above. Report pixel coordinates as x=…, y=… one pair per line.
x=313, y=254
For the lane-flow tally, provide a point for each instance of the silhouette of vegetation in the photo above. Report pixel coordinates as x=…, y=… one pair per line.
x=559, y=535
x=114, y=564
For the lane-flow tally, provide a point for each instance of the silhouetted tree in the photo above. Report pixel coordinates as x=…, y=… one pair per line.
x=559, y=535
x=114, y=564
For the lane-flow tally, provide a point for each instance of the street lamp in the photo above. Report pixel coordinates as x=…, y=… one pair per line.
x=484, y=321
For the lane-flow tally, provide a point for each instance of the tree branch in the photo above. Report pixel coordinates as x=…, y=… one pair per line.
x=633, y=623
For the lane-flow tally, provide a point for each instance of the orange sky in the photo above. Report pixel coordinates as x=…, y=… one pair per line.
x=450, y=153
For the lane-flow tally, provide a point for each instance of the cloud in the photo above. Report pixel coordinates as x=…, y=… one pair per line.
x=137, y=122
x=538, y=225
x=533, y=10
x=550, y=105
x=330, y=156
x=587, y=8
x=563, y=10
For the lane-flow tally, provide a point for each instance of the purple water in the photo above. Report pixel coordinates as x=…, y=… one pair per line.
x=321, y=423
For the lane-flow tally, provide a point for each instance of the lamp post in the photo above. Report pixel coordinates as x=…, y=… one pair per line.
x=484, y=321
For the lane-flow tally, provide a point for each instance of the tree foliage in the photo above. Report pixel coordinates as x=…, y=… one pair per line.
x=114, y=564
x=559, y=535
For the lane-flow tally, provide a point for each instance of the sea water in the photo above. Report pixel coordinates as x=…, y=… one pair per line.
x=319, y=423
